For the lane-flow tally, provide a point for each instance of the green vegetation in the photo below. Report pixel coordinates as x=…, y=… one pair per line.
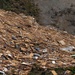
x=20, y=6
x=59, y=71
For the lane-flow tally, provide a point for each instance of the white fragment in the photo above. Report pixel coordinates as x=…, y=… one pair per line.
x=5, y=69
x=44, y=50
x=68, y=49
x=35, y=57
x=53, y=62
x=24, y=63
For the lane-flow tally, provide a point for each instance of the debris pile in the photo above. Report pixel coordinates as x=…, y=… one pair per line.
x=23, y=43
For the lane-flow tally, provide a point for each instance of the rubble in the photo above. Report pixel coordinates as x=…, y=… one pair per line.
x=68, y=49
x=24, y=43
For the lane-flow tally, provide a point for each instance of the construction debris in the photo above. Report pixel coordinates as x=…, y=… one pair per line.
x=23, y=43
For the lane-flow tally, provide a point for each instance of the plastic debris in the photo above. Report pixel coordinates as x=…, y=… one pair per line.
x=3, y=73
x=68, y=49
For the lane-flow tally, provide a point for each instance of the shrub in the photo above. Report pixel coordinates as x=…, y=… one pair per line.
x=20, y=6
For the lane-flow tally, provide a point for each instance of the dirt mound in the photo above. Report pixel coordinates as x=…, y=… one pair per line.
x=24, y=43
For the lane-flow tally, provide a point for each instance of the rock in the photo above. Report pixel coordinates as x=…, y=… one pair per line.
x=37, y=49
x=67, y=72
x=53, y=62
x=43, y=63
x=24, y=63
x=73, y=62
x=8, y=53
x=17, y=46
x=1, y=54
x=14, y=37
x=5, y=69
x=5, y=45
x=22, y=49
x=29, y=56
x=62, y=42
x=36, y=56
x=4, y=57
x=14, y=63
x=60, y=63
x=44, y=50
x=10, y=56
x=54, y=72
x=27, y=40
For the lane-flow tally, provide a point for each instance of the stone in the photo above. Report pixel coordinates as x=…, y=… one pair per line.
x=25, y=63
x=54, y=72
x=44, y=50
x=10, y=55
x=1, y=54
x=62, y=42
x=68, y=72
x=14, y=37
x=37, y=49
x=29, y=56
x=53, y=62
x=22, y=49
x=36, y=56
x=43, y=63
x=60, y=63
x=5, y=69
x=14, y=63
x=16, y=46
x=73, y=62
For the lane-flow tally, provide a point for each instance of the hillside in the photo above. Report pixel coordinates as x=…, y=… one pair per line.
x=25, y=44
x=59, y=13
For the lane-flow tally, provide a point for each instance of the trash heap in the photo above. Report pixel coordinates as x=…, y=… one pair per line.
x=24, y=43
